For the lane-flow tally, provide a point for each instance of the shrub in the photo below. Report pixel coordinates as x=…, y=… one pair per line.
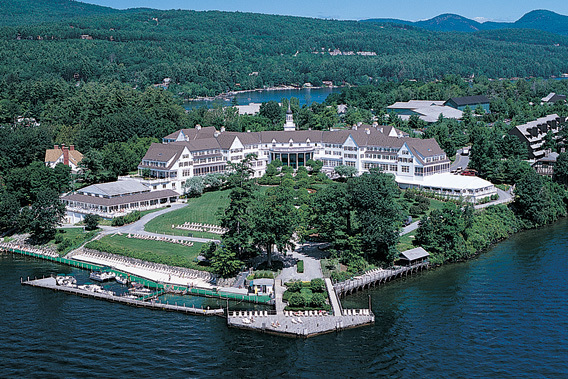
x=295, y=286
x=300, y=266
x=128, y=219
x=409, y=195
x=340, y=276
x=415, y=210
x=58, y=238
x=91, y=221
x=65, y=243
x=297, y=300
x=318, y=300
x=317, y=285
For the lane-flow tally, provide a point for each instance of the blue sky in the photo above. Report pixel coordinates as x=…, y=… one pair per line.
x=494, y=10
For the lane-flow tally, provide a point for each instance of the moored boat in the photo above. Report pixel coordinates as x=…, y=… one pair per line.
x=122, y=279
x=102, y=276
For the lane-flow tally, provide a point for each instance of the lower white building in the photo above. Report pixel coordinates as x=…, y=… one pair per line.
x=114, y=199
x=469, y=188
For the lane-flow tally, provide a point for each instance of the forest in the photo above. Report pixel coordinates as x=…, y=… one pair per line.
x=206, y=53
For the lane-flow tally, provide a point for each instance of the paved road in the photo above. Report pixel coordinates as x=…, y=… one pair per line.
x=410, y=228
x=504, y=198
x=461, y=161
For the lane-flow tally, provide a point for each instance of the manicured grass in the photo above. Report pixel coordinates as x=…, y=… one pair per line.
x=75, y=236
x=435, y=204
x=405, y=242
x=152, y=251
x=201, y=209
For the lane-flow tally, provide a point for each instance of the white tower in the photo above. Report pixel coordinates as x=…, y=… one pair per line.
x=289, y=126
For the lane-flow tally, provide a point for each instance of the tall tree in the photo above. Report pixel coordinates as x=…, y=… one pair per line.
x=46, y=213
x=377, y=214
x=274, y=219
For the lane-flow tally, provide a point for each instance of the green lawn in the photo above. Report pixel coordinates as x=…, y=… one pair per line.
x=71, y=238
x=201, y=209
x=152, y=251
x=405, y=242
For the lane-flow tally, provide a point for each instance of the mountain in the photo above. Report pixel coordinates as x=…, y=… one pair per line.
x=30, y=12
x=543, y=20
x=450, y=22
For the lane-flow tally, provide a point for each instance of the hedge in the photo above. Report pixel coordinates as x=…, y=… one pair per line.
x=300, y=266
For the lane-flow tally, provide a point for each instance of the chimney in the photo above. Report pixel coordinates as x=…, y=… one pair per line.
x=367, y=130
x=222, y=129
x=198, y=127
x=72, y=147
x=65, y=155
x=56, y=147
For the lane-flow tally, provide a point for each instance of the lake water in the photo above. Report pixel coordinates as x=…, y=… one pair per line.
x=305, y=95
x=502, y=315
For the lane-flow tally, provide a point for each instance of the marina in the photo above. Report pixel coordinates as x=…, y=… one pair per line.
x=144, y=302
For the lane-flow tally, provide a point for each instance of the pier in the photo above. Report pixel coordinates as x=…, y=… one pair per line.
x=302, y=323
x=377, y=277
x=50, y=283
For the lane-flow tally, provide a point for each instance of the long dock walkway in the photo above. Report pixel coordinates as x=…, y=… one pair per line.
x=376, y=277
x=50, y=283
x=335, y=304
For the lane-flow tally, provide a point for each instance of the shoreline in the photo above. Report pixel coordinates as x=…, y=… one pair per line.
x=227, y=95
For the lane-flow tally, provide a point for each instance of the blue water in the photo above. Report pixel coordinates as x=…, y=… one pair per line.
x=305, y=95
x=502, y=315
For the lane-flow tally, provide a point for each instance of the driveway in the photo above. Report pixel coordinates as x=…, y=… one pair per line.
x=461, y=161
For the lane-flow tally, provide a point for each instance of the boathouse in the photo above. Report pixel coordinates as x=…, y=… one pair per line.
x=413, y=256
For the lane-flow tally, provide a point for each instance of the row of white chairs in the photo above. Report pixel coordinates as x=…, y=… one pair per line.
x=160, y=238
x=356, y=312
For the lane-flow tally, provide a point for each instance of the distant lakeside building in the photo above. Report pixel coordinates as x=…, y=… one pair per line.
x=427, y=110
x=469, y=101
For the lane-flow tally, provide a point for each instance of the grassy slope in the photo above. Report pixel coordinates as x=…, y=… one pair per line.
x=202, y=209
x=166, y=250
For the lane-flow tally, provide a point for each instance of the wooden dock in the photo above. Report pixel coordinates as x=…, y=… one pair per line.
x=376, y=277
x=301, y=324
x=292, y=324
x=50, y=283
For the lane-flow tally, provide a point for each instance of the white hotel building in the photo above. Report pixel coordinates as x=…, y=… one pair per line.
x=203, y=150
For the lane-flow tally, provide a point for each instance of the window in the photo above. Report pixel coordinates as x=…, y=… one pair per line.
x=350, y=164
x=405, y=168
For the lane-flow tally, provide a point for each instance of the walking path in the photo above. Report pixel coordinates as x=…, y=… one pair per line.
x=279, y=290
x=335, y=306
x=138, y=227
x=310, y=254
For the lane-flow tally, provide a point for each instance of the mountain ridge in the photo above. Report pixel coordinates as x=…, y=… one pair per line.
x=540, y=19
